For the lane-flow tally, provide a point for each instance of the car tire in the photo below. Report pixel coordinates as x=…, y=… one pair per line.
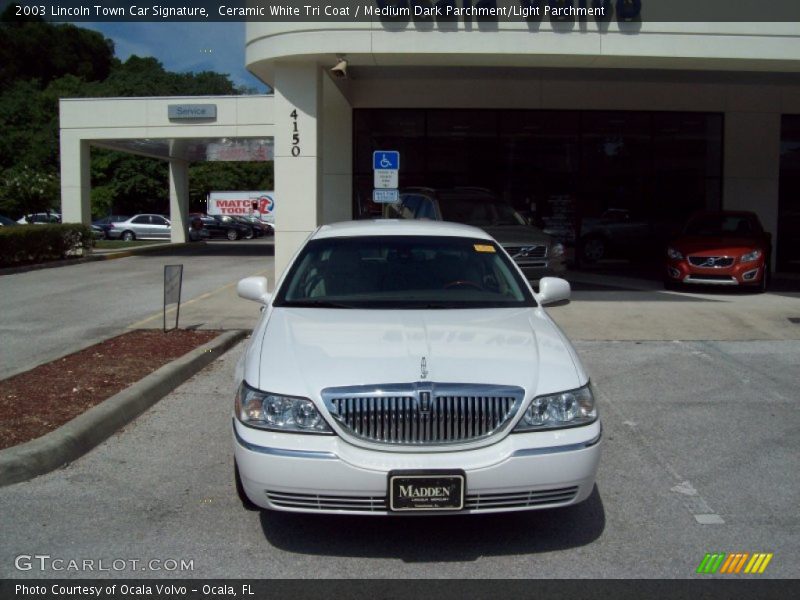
x=232, y=235
x=249, y=234
x=128, y=236
x=247, y=504
x=593, y=248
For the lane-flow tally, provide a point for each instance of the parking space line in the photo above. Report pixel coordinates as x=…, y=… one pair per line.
x=698, y=507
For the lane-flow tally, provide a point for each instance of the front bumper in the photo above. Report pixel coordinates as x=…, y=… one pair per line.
x=326, y=474
x=536, y=268
x=749, y=273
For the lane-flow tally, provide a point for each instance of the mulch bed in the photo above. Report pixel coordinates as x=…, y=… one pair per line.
x=38, y=401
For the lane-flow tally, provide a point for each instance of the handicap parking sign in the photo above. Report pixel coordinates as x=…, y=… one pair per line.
x=386, y=159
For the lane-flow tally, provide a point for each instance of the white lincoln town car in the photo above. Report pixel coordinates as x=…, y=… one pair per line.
x=407, y=367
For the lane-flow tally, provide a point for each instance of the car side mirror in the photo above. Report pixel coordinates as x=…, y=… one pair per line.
x=552, y=290
x=254, y=288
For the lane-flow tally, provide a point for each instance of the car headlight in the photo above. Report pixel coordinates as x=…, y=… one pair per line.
x=565, y=409
x=557, y=250
x=265, y=410
x=674, y=254
x=751, y=256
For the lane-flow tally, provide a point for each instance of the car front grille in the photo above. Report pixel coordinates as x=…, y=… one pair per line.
x=522, y=252
x=520, y=499
x=473, y=502
x=711, y=262
x=423, y=413
x=325, y=502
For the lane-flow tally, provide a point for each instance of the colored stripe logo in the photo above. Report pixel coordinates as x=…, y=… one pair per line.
x=734, y=563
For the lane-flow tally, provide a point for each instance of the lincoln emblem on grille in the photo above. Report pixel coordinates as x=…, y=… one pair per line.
x=423, y=368
x=424, y=402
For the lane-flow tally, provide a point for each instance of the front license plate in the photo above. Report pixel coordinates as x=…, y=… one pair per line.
x=409, y=491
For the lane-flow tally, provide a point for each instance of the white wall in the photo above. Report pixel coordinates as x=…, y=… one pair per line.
x=102, y=121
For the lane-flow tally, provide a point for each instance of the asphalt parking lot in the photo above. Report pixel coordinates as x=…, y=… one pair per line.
x=700, y=455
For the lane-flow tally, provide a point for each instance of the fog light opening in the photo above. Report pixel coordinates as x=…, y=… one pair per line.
x=750, y=275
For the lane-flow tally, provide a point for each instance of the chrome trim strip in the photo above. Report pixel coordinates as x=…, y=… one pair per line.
x=558, y=449
x=699, y=280
x=282, y=452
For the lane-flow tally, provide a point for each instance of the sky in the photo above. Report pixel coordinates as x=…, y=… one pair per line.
x=184, y=47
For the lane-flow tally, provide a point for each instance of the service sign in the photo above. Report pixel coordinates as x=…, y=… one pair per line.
x=189, y=112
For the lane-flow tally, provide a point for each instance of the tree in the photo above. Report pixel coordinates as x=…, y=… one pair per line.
x=28, y=190
x=41, y=63
x=33, y=49
x=207, y=177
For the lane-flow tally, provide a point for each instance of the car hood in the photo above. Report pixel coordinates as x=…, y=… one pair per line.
x=517, y=235
x=312, y=349
x=712, y=245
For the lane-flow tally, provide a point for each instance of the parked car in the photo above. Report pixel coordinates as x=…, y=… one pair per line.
x=6, y=222
x=259, y=228
x=720, y=248
x=140, y=227
x=407, y=367
x=101, y=226
x=615, y=232
x=225, y=227
x=43, y=218
x=532, y=249
x=267, y=228
x=197, y=231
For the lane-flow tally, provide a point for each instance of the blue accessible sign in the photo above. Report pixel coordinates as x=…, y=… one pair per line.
x=386, y=159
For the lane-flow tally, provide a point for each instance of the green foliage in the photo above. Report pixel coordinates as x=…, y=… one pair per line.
x=28, y=244
x=128, y=184
x=33, y=49
x=24, y=190
x=224, y=176
x=139, y=76
x=40, y=63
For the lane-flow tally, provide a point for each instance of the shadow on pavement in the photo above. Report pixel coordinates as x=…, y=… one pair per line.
x=222, y=248
x=437, y=539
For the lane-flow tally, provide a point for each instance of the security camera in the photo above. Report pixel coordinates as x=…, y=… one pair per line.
x=339, y=70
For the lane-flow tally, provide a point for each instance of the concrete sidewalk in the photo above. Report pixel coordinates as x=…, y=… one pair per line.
x=606, y=307
x=602, y=307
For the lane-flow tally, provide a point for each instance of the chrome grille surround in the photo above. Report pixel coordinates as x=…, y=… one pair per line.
x=519, y=252
x=711, y=262
x=423, y=413
x=472, y=502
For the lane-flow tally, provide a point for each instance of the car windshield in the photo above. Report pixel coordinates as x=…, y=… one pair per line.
x=478, y=211
x=408, y=272
x=720, y=225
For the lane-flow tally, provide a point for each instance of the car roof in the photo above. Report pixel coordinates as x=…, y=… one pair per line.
x=724, y=213
x=384, y=227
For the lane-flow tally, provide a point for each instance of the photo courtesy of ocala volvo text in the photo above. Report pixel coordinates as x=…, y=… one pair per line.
x=408, y=367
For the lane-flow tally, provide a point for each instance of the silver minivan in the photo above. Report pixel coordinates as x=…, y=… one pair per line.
x=536, y=253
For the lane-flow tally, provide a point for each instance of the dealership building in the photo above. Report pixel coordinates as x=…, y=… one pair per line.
x=566, y=119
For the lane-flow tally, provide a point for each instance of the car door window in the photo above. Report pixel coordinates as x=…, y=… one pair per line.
x=427, y=210
x=159, y=221
x=408, y=205
x=141, y=220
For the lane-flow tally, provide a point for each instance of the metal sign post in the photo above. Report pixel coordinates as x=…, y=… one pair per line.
x=173, y=281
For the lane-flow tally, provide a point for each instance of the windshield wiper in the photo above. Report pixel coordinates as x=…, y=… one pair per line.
x=314, y=304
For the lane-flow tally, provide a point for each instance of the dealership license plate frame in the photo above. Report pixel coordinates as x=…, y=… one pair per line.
x=431, y=478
